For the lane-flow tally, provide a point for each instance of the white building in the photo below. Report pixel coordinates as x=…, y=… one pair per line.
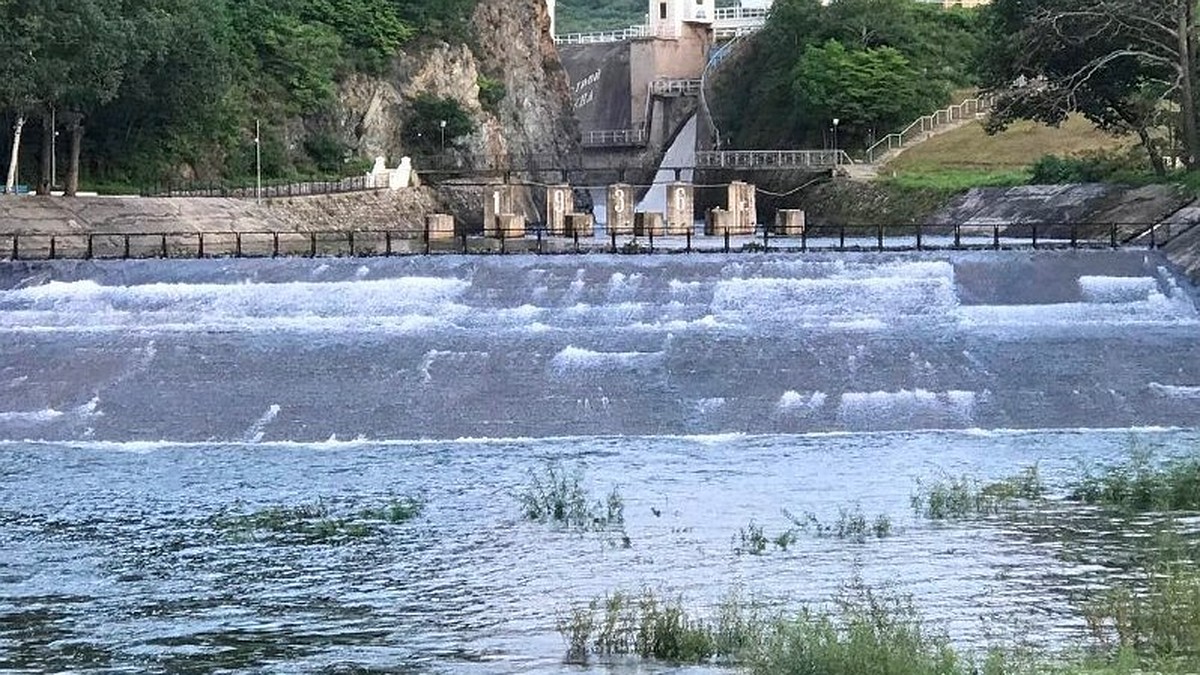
x=668, y=16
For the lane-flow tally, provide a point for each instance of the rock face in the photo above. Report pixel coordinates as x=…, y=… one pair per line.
x=513, y=47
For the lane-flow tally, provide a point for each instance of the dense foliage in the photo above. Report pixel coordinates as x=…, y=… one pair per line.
x=875, y=65
x=172, y=87
x=1128, y=66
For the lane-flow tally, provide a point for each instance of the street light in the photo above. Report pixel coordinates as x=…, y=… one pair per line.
x=258, y=161
x=836, y=158
x=442, y=125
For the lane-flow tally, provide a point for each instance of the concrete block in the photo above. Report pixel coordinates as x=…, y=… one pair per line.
x=581, y=225
x=510, y=226
x=790, y=223
x=718, y=223
x=440, y=226
x=649, y=224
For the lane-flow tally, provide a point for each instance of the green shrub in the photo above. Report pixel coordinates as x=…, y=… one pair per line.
x=554, y=495
x=1139, y=486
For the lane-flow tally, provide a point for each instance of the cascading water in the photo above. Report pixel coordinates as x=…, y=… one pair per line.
x=141, y=400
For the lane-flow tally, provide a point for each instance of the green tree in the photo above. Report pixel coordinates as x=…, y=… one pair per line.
x=864, y=88
x=1123, y=64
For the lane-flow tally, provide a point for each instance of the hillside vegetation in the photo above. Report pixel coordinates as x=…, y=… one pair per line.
x=174, y=87
x=874, y=65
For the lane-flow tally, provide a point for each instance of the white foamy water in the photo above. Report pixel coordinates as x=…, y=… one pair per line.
x=907, y=409
x=407, y=303
x=1118, y=289
x=1175, y=391
x=574, y=359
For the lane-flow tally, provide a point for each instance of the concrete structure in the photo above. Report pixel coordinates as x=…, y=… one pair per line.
x=510, y=226
x=439, y=226
x=790, y=223
x=667, y=17
x=498, y=200
x=560, y=202
x=649, y=225
x=718, y=223
x=681, y=208
x=743, y=204
x=581, y=225
x=621, y=200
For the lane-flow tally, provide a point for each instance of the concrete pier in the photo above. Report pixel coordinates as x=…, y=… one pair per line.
x=510, y=226
x=649, y=225
x=560, y=202
x=718, y=223
x=681, y=201
x=621, y=200
x=498, y=200
x=582, y=225
x=743, y=205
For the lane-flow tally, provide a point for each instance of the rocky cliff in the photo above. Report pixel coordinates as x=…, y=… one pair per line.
x=512, y=47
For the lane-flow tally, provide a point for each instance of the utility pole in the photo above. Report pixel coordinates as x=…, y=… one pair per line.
x=258, y=161
x=53, y=147
x=836, y=157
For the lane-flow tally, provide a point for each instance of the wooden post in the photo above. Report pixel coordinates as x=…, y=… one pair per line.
x=312, y=244
x=165, y=254
x=52, y=246
x=126, y=253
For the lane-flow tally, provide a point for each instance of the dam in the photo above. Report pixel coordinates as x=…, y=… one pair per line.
x=144, y=403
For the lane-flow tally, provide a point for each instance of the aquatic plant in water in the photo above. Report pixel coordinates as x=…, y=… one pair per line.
x=1138, y=485
x=965, y=497
x=315, y=523
x=554, y=495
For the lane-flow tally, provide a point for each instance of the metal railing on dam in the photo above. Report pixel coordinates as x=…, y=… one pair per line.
x=537, y=240
x=771, y=159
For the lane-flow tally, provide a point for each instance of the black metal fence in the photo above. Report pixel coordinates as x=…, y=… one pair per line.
x=270, y=190
x=537, y=240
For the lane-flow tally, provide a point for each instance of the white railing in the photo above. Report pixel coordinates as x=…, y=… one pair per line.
x=772, y=159
x=669, y=87
x=968, y=109
x=630, y=33
x=614, y=138
x=740, y=13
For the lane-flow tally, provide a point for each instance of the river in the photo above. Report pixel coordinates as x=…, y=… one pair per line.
x=141, y=400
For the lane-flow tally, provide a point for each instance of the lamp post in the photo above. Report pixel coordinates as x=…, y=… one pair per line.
x=836, y=158
x=53, y=147
x=442, y=126
x=258, y=161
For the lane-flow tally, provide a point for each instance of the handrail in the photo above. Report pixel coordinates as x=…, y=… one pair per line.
x=931, y=122
x=771, y=159
x=24, y=246
x=614, y=137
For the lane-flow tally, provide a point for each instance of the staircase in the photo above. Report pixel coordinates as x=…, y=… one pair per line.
x=953, y=117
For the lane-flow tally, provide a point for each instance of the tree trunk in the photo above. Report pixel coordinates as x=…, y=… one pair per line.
x=1187, y=91
x=72, y=186
x=46, y=181
x=1156, y=159
x=11, y=184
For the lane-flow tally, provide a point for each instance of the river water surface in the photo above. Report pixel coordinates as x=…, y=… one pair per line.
x=138, y=401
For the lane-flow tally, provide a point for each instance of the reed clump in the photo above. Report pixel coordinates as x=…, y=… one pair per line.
x=556, y=495
x=661, y=629
x=315, y=523
x=1139, y=486
x=962, y=497
x=851, y=525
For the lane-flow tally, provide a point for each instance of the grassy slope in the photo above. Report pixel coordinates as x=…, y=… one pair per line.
x=969, y=157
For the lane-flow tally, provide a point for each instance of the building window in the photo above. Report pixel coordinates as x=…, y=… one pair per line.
x=662, y=11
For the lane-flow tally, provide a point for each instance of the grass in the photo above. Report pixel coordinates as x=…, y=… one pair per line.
x=316, y=523
x=851, y=525
x=1139, y=486
x=1016, y=149
x=1155, y=629
x=557, y=496
x=654, y=628
x=957, y=498
x=967, y=157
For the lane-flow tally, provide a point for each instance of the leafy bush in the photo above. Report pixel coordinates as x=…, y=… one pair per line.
x=491, y=93
x=1138, y=486
x=424, y=129
x=555, y=495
